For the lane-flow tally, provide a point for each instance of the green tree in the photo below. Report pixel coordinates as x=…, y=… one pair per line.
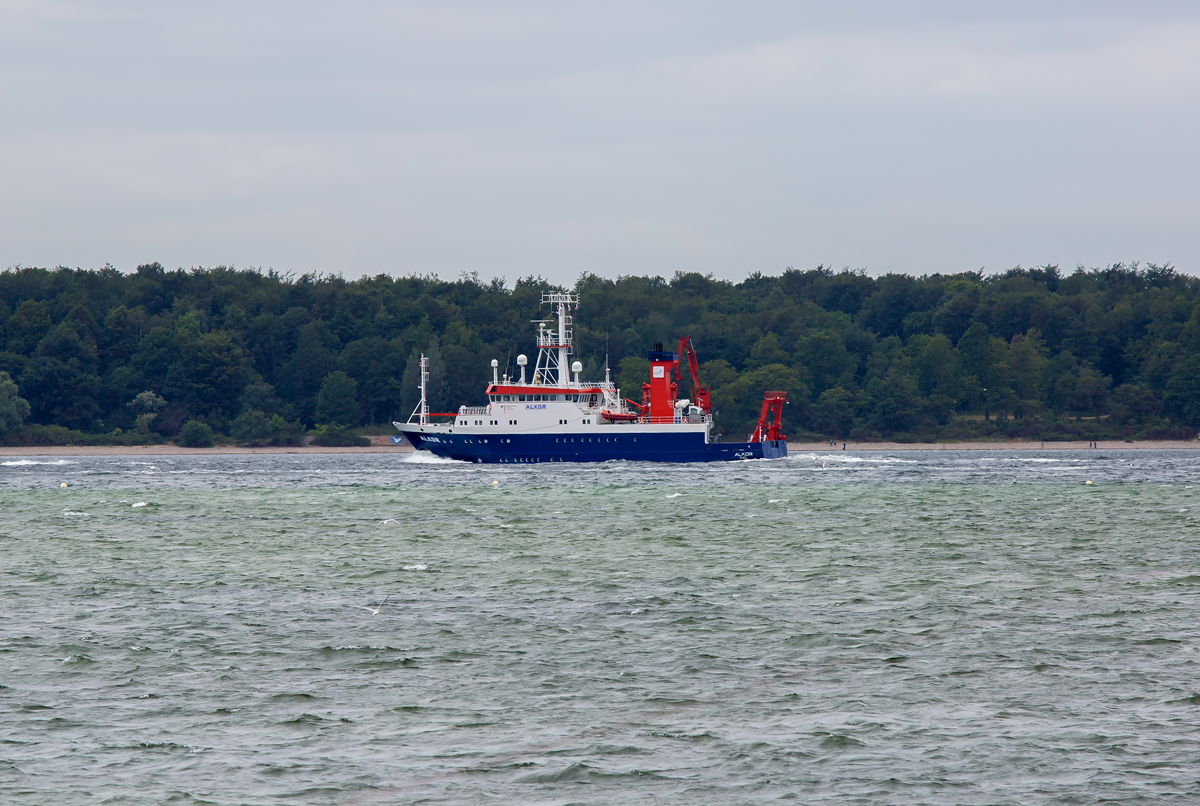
x=337, y=403
x=1026, y=360
x=60, y=380
x=252, y=427
x=1134, y=405
x=65, y=343
x=1182, y=398
x=261, y=395
x=834, y=413
x=121, y=333
x=738, y=404
x=219, y=371
x=285, y=433
x=27, y=326
x=146, y=405
x=767, y=351
x=935, y=366
x=314, y=358
x=196, y=434
x=215, y=341
x=975, y=353
x=891, y=403
x=826, y=360
x=632, y=372
x=13, y=408
x=436, y=383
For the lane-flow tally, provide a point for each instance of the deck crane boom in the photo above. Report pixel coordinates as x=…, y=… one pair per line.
x=771, y=418
x=703, y=394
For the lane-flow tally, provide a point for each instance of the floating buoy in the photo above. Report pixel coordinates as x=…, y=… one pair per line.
x=63, y=485
x=495, y=484
x=1087, y=482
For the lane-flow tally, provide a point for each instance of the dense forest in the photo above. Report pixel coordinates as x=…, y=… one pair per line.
x=100, y=355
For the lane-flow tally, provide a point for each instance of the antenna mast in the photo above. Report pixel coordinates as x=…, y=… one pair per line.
x=422, y=408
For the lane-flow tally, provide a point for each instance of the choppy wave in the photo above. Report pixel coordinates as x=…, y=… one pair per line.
x=578, y=634
x=850, y=458
x=427, y=458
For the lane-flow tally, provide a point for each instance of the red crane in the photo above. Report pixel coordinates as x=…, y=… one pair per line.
x=703, y=394
x=771, y=418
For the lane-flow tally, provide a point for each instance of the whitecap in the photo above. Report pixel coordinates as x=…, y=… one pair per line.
x=427, y=458
x=138, y=504
x=674, y=495
x=27, y=462
x=890, y=460
x=416, y=567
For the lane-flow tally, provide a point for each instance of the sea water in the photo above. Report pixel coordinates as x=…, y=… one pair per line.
x=923, y=627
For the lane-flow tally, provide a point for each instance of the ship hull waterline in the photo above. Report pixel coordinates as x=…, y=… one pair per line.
x=537, y=448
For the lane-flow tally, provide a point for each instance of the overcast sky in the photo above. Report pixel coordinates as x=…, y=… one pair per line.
x=514, y=138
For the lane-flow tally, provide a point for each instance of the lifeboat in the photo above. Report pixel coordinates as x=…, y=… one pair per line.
x=616, y=417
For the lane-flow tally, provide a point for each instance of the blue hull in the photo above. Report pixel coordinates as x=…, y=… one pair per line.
x=536, y=448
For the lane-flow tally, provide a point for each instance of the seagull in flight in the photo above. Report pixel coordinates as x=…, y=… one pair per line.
x=375, y=610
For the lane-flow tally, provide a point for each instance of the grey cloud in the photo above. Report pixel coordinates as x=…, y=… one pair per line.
x=551, y=139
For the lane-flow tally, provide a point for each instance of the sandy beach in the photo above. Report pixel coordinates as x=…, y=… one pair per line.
x=175, y=450
x=1016, y=445
x=793, y=447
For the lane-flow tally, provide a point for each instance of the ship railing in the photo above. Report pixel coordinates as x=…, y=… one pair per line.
x=550, y=338
x=549, y=384
x=473, y=411
x=679, y=419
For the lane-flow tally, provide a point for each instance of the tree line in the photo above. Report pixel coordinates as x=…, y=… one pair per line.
x=260, y=357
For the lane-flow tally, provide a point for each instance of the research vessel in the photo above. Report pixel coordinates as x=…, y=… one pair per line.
x=552, y=417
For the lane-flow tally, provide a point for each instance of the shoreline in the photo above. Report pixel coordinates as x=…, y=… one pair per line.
x=1015, y=445
x=175, y=450
x=793, y=447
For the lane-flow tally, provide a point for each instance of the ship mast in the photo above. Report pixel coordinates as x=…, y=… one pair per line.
x=422, y=408
x=555, y=346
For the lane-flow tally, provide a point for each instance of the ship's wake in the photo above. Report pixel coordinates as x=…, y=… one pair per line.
x=427, y=458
